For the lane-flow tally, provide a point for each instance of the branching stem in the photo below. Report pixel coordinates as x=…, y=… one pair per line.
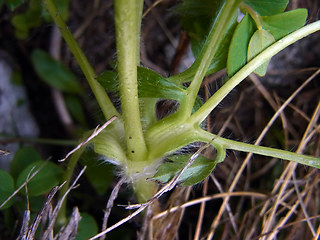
x=103, y=100
x=206, y=108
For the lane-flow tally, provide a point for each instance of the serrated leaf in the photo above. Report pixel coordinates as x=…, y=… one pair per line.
x=48, y=176
x=87, y=227
x=54, y=73
x=260, y=40
x=237, y=55
x=198, y=171
x=22, y=158
x=150, y=85
x=6, y=188
x=280, y=25
x=267, y=7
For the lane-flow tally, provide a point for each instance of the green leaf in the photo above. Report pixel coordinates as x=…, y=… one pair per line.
x=48, y=176
x=260, y=40
x=267, y=7
x=153, y=85
x=282, y=24
x=31, y=18
x=100, y=174
x=6, y=188
x=109, y=80
x=150, y=85
x=237, y=55
x=198, y=171
x=87, y=227
x=22, y=158
x=54, y=73
x=196, y=17
x=75, y=107
x=12, y=4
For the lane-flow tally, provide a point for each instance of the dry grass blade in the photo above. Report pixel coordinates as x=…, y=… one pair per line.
x=70, y=231
x=290, y=174
x=209, y=198
x=174, y=181
x=23, y=185
x=151, y=7
x=33, y=228
x=94, y=134
x=140, y=207
x=245, y=162
x=107, y=211
x=55, y=212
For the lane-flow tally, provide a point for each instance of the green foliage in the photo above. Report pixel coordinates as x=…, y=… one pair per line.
x=54, y=73
x=22, y=158
x=197, y=172
x=237, y=55
x=87, y=227
x=196, y=18
x=6, y=188
x=99, y=174
x=272, y=25
x=282, y=24
x=150, y=85
x=75, y=106
x=267, y=7
x=12, y=4
x=48, y=177
x=260, y=40
x=24, y=22
x=34, y=15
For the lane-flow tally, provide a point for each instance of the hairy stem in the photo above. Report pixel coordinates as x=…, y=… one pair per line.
x=206, y=108
x=102, y=98
x=264, y=151
x=127, y=40
x=210, y=48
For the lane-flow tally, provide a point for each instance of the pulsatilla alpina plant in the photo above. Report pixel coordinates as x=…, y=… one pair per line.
x=138, y=141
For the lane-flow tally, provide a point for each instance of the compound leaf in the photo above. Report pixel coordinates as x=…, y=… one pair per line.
x=267, y=7
x=48, y=176
x=282, y=24
x=260, y=40
x=237, y=55
x=22, y=158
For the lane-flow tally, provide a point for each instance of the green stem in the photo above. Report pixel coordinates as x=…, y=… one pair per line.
x=62, y=216
x=206, y=108
x=209, y=50
x=103, y=100
x=265, y=151
x=127, y=30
